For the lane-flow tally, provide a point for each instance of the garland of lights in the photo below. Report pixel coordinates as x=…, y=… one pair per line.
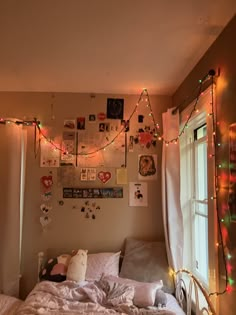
x=159, y=136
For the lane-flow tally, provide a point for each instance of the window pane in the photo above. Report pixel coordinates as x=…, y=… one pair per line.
x=201, y=208
x=201, y=170
x=201, y=246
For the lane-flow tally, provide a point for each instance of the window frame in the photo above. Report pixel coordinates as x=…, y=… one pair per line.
x=204, y=108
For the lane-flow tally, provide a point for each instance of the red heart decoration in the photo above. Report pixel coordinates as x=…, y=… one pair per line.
x=104, y=176
x=46, y=181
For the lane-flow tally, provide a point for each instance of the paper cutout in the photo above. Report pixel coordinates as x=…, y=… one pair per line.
x=45, y=208
x=104, y=176
x=47, y=182
x=121, y=176
x=45, y=220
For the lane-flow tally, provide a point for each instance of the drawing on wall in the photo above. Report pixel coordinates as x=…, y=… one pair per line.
x=115, y=108
x=48, y=156
x=138, y=194
x=147, y=166
x=232, y=172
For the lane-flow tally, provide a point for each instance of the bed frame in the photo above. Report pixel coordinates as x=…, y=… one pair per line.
x=190, y=294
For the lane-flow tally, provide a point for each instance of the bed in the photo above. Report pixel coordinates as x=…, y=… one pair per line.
x=136, y=283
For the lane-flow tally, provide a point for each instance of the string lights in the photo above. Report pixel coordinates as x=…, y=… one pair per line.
x=223, y=222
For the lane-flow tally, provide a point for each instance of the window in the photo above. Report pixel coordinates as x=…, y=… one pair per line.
x=197, y=187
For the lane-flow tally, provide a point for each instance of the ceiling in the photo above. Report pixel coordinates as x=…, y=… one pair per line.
x=105, y=46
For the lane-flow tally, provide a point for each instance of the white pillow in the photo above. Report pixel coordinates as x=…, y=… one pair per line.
x=102, y=263
x=144, y=292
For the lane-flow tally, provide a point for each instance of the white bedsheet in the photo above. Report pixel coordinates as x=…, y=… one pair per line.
x=71, y=298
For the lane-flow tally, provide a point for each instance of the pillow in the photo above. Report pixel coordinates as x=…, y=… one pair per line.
x=146, y=261
x=77, y=266
x=102, y=263
x=55, y=269
x=144, y=293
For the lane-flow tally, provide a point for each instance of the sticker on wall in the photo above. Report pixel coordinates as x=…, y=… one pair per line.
x=147, y=167
x=104, y=177
x=101, y=116
x=90, y=209
x=46, y=183
x=138, y=194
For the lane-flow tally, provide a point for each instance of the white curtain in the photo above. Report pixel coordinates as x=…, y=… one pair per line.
x=11, y=139
x=172, y=215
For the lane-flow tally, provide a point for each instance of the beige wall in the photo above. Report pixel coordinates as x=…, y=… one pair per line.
x=220, y=56
x=69, y=229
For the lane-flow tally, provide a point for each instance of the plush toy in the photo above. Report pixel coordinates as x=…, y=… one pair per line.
x=55, y=269
x=160, y=299
x=77, y=266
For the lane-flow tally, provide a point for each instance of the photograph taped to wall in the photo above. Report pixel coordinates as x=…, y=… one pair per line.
x=111, y=192
x=92, y=150
x=232, y=172
x=69, y=123
x=147, y=167
x=138, y=194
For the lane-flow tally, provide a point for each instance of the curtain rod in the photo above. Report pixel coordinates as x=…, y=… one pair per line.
x=211, y=73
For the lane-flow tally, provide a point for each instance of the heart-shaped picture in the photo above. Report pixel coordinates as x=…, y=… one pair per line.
x=46, y=181
x=104, y=176
x=45, y=220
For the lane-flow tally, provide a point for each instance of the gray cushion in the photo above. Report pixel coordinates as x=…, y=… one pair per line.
x=146, y=261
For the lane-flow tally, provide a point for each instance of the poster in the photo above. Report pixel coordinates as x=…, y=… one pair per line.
x=138, y=194
x=147, y=167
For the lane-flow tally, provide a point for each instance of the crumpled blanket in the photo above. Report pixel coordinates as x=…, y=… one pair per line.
x=9, y=304
x=71, y=298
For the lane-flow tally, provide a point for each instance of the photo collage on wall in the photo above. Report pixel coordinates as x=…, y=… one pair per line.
x=83, y=143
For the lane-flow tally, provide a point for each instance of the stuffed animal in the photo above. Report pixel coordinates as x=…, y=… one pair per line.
x=161, y=298
x=55, y=269
x=77, y=266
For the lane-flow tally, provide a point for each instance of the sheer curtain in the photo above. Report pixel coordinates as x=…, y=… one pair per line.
x=172, y=214
x=13, y=145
